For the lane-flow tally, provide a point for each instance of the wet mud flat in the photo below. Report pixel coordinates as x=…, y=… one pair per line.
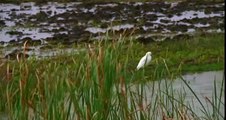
x=67, y=23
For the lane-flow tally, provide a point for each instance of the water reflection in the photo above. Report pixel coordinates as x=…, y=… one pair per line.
x=201, y=83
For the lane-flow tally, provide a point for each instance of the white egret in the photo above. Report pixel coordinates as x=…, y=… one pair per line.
x=144, y=61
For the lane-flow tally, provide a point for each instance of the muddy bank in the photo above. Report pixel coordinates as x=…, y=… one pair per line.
x=76, y=21
x=46, y=25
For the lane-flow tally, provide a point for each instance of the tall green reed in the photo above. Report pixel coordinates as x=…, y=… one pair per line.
x=95, y=84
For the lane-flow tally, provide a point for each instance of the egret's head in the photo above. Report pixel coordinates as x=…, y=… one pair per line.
x=148, y=53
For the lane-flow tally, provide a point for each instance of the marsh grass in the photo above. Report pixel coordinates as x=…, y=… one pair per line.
x=96, y=84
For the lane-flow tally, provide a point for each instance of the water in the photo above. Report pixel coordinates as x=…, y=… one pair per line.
x=33, y=33
x=4, y=116
x=201, y=83
x=44, y=21
x=75, y=21
x=114, y=28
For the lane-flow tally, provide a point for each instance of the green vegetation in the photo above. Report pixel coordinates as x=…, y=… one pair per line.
x=96, y=83
x=203, y=52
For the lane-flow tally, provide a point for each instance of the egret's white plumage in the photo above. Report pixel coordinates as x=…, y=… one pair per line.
x=145, y=60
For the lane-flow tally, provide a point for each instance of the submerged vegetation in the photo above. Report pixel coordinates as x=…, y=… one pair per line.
x=95, y=84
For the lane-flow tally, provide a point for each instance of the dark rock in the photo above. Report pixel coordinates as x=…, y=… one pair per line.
x=49, y=12
x=14, y=9
x=2, y=23
x=164, y=21
x=12, y=41
x=14, y=33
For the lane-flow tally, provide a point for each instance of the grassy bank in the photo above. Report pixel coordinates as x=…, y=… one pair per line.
x=94, y=84
x=203, y=52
